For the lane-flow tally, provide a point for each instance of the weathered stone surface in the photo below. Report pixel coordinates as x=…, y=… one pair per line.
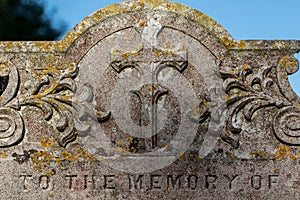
x=149, y=100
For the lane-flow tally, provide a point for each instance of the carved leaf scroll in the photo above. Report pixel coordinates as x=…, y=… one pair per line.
x=11, y=122
x=54, y=91
x=250, y=89
x=50, y=90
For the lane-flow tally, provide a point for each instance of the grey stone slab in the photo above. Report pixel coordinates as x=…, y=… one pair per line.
x=149, y=100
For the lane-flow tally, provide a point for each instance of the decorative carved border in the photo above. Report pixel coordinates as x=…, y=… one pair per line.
x=250, y=89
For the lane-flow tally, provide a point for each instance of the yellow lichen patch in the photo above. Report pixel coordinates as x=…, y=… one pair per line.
x=189, y=156
x=123, y=147
x=278, y=44
x=164, y=145
x=84, y=155
x=69, y=156
x=232, y=156
x=252, y=154
x=3, y=65
x=3, y=155
x=241, y=45
x=58, y=161
x=229, y=43
x=123, y=10
x=169, y=52
x=141, y=4
x=129, y=139
x=153, y=3
x=47, y=91
x=132, y=7
x=44, y=45
x=47, y=143
x=227, y=98
x=49, y=172
x=157, y=52
x=175, y=6
x=41, y=159
x=183, y=157
x=282, y=152
x=245, y=67
x=125, y=54
x=206, y=21
x=195, y=169
x=66, y=98
x=288, y=61
x=261, y=154
x=292, y=157
x=142, y=23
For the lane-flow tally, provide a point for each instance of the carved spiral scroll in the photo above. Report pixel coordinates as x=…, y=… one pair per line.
x=250, y=89
x=11, y=127
x=287, y=125
x=7, y=69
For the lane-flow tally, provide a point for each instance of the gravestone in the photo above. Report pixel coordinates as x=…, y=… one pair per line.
x=149, y=100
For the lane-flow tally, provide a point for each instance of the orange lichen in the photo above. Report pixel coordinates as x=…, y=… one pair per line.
x=41, y=159
x=186, y=156
x=123, y=10
x=3, y=155
x=229, y=43
x=125, y=54
x=227, y=98
x=245, y=67
x=47, y=143
x=129, y=139
x=58, y=160
x=142, y=23
x=261, y=153
x=49, y=172
x=292, y=157
x=69, y=156
x=153, y=3
x=242, y=45
x=141, y=4
x=278, y=44
x=195, y=169
x=123, y=147
x=132, y=7
x=282, y=152
x=84, y=155
x=288, y=61
x=175, y=6
x=232, y=156
x=252, y=154
x=164, y=145
x=157, y=52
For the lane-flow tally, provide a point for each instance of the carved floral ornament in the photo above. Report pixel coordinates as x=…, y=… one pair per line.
x=248, y=88
x=50, y=91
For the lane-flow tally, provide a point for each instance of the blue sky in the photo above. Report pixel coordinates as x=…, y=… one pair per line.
x=251, y=19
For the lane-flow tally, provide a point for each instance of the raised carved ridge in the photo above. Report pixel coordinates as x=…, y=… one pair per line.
x=253, y=88
x=52, y=91
x=11, y=122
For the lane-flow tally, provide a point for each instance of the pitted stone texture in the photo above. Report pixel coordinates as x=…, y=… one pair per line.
x=148, y=100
